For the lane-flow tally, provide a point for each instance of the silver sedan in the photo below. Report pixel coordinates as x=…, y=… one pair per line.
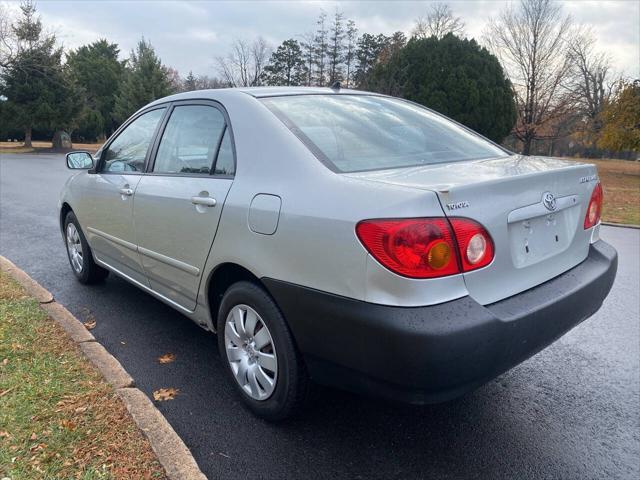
x=349, y=238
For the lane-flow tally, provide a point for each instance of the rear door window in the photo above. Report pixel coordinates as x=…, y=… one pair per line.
x=190, y=140
x=225, y=164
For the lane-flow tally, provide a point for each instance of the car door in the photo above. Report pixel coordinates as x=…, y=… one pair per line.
x=108, y=199
x=179, y=201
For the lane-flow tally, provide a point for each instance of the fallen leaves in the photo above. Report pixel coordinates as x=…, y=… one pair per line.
x=37, y=447
x=167, y=358
x=68, y=421
x=89, y=324
x=165, y=394
x=68, y=424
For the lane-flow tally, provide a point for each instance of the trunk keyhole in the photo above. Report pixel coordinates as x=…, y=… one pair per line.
x=556, y=238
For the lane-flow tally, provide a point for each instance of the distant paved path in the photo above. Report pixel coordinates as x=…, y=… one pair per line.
x=571, y=412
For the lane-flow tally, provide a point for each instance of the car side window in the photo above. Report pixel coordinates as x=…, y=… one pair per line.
x=129, y=150
x=190, y=140
x=225, y=164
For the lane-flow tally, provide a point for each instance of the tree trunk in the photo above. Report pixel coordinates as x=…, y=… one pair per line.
x=526, y=143
x=27, y=137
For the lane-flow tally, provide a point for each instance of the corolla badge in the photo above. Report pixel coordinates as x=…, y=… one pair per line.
x=549, y=201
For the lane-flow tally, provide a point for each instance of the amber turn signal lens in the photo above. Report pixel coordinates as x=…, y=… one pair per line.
x=439, y=255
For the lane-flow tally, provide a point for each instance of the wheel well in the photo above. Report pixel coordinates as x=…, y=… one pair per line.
x=63, y=214
x=221, y=279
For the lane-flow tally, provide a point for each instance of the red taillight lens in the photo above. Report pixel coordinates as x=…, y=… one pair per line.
x=594, y=210
x=475, y=246
x=427, y=247
x=413, y=247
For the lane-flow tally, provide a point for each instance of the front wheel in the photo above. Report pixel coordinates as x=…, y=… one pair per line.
x=259, y=353
x=80, y=258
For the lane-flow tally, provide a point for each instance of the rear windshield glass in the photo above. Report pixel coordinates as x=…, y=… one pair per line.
x=351, y=133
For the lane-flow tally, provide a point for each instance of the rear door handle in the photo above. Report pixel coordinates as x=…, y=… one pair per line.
x=206, y=201
x=126, y=191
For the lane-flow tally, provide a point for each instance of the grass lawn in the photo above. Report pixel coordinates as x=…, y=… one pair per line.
x=621, y=184
x=58, y=418
x=17, y=147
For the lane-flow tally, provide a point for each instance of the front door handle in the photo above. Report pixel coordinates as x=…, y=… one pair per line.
x=206, y=201
x=126, y=191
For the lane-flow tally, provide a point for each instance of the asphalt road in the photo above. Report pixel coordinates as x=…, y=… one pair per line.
x=572, y=411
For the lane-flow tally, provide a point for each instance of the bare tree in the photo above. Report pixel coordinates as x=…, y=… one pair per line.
x=7, y=38
x=531, y=40
x=243, y=66
x=204, y=82
x=260, y=53
x=308, y=51
x=439, y=22
x=591, y=81
x=175, y=82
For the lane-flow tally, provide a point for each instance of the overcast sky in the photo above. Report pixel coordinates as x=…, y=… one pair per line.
x=189, y=35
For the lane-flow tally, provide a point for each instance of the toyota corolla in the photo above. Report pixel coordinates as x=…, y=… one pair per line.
x=352, y=239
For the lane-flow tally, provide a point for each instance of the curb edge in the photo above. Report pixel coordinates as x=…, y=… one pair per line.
x=621, y=225
x=172, y=453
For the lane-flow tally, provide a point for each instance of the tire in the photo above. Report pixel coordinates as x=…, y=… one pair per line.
x=286, y=396
x=79, y=253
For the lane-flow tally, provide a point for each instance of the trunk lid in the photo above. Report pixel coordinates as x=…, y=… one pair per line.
x=534, y=240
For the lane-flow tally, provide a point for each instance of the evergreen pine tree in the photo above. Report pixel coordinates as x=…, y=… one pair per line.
x=98, y=71
x=190, y=83
x=146, y=79
x=320, y=50
x=335, y=50
x=38, y=90
x=286, y=66
x=350, y=51
x=453, y=76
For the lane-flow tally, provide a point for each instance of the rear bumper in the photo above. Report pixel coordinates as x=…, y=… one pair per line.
x=435, y=353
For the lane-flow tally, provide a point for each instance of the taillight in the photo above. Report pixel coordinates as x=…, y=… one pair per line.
x=413, y=247
x=594, y=210
x=475, y=246
x=426, y=247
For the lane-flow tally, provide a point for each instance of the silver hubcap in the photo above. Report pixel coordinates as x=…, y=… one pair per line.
x=251, y=352
x=74, y=247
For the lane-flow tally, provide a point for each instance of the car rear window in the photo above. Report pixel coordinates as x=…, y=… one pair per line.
x=351, y=133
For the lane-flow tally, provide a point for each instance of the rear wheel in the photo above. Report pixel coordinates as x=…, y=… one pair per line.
x=80, y=257
x=259, y=353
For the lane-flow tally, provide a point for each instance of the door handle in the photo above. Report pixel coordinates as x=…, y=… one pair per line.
x=206, y=201
x=126, y=191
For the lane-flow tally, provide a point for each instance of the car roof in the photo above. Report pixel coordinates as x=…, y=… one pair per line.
x=256, y=92
x=259, y=92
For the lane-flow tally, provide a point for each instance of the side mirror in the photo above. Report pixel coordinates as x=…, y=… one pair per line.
x=79, y=160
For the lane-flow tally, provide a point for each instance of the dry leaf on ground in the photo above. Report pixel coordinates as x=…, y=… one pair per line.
x=165, y=394
x=90, y=324
x=167, y=358
x=68, y=424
